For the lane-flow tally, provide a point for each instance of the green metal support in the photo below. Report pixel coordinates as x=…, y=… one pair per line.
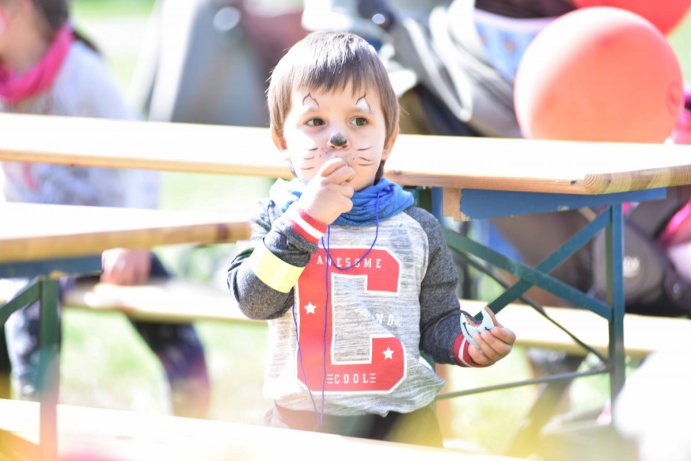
x=49, y=366
x=43, y=288
x=615, y=297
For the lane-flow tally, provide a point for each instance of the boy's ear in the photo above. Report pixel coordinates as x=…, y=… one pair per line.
x=389, y=145
x=278, y=140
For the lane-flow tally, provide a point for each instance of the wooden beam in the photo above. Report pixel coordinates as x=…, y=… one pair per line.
x=32, y=232
x=92, y=433
x=421, y=160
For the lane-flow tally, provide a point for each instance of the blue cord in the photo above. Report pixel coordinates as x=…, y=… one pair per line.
x=327, y=247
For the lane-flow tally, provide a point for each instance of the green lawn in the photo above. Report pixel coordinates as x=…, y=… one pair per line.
x=105, y=364
x=679, y=39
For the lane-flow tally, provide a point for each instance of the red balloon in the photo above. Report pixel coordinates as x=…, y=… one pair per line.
x=599, y=74
x=665, y=14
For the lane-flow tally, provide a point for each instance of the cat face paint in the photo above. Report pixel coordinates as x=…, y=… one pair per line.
x=344, y=124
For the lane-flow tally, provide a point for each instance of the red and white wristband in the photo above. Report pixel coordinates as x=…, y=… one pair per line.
x=304, y=224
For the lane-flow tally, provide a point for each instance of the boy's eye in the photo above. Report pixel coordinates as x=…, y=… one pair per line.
x=315, y=122
x=359, y=121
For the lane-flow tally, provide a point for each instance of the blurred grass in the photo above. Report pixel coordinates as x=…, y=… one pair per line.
x=109, y=9
x=106, y=364
x=680, y=40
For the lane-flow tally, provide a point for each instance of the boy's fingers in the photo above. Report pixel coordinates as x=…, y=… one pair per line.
x=330, y=166
x=492, y=346
x=478, y=356
x=488, y=352
x=347, y=190
x=504, y=334
x=342, y=175
x=336, y=171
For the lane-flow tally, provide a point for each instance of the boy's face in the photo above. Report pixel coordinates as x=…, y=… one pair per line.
x=343, y=124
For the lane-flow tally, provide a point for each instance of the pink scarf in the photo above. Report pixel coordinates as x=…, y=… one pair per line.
x=15, y=88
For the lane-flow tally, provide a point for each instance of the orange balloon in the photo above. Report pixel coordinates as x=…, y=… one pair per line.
x=599, y=74
x=665, y=14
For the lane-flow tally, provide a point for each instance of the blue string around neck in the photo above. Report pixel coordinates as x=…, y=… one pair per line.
x=326, y=244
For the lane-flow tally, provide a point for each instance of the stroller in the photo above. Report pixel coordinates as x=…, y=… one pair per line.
x=207, y=61
x=450, y=82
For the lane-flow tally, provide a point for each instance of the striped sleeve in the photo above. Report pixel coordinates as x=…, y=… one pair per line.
x=305, y=225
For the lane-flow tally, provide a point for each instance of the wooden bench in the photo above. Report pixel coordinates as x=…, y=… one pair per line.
x=177, y=300
x=91, y=433
x=519, y=177
x=642, y=334
x=168, y=300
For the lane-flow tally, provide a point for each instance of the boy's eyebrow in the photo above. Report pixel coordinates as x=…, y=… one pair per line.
x=309, y=96
x=361, y=103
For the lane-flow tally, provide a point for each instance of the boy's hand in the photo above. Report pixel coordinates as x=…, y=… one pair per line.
x=328, y=194
x=492, y=345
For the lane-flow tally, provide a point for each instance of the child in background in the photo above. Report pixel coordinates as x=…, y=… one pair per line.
x=46, y=68
x=356, y=282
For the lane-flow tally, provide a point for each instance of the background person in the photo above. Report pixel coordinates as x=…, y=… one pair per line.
x=47, y=68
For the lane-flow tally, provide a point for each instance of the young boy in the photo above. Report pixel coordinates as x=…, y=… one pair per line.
x=355, y=281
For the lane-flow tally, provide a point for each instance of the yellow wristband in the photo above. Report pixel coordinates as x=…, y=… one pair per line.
x=273, y=271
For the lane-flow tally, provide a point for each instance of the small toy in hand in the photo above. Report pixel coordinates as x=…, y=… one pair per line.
x=471, y=325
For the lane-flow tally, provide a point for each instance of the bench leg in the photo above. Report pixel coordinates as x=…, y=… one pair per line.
x=5, y=368
x=526, y=439
x=49, y=366
x=45, y=290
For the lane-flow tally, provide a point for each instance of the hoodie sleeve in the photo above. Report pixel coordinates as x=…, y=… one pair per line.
x=440, y=316
x=262, y=276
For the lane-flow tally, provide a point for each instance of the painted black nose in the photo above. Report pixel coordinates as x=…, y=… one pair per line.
x=338, y=140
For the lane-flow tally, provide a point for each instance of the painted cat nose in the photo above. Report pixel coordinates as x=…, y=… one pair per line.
x=338, y=140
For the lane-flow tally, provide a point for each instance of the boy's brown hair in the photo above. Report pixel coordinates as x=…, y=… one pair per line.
x=330, y=61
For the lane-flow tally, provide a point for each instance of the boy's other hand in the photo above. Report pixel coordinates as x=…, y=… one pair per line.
x=492, y=345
